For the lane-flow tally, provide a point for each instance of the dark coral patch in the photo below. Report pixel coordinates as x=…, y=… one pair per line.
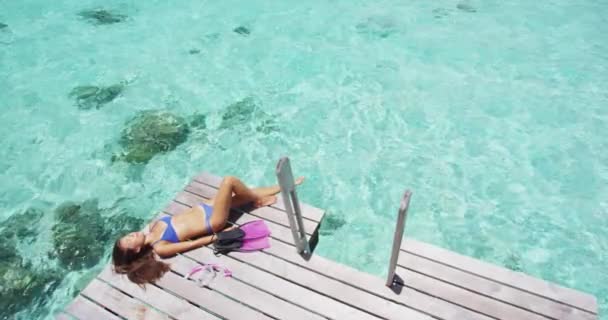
x=150, y=133
x=242, y=30
x=466, y=7
x=102, y=16
x=88, y=97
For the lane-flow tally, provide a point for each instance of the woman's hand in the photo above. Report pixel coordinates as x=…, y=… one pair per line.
x=169, y=249
x=230, y=228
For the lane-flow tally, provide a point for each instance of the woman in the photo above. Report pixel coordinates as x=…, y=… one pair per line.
x=134, y=254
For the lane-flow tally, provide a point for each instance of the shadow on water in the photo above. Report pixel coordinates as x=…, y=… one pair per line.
x=6, y=35
x=102, y=16
x=88, y=97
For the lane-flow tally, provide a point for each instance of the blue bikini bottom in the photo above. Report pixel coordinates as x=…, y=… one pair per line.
x=208, y=212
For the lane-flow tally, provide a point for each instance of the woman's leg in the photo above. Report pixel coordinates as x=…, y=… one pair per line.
x=266, y=195
x=233, y=193
x=223, y=200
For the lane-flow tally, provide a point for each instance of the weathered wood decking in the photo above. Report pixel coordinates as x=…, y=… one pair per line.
x=278, y=283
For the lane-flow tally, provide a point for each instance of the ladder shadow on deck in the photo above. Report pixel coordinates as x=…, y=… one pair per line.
x=397, y=285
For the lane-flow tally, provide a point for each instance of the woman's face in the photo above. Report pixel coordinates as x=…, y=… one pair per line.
x=133, y=241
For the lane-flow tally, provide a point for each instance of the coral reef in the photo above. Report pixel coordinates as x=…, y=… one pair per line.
x=102, y=16
x=88, y=97
x=149, y=133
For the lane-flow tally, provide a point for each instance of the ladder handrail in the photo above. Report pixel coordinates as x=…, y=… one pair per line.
x=292, y=205
x=399, y=229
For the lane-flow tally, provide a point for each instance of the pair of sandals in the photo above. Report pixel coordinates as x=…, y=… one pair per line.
x=250, y=236
x=204, y=274
x=225, y=242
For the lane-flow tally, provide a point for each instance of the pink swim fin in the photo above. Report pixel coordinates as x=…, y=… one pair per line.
x=255, y=229
x=256, y=236
x=255, y=244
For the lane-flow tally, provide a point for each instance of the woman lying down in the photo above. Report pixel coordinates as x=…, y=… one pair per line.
x=135, y=253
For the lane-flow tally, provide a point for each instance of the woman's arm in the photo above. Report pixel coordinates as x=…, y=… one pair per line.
x=170, y=249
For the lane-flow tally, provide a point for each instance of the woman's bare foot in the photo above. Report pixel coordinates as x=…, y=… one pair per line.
x=299, y=181
x=268, y=200
x=265, y=201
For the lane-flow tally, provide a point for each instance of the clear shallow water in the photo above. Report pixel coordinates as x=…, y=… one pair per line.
x=495, y=119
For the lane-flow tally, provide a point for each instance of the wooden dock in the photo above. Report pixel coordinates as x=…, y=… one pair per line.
x=278, y=283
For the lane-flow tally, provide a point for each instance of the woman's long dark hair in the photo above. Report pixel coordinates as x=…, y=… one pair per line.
x=140, y=267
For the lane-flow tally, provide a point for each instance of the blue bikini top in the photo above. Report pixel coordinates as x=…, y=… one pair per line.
x=169, y=234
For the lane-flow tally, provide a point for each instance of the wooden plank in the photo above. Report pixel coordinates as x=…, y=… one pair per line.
x=284, y=288
x=82, y=308
x=491, y=289
x=212, y=300
x=319, y=283
x=308, y=211
x=514, y=279
x=270, y=304
x=268, y=213
x=163, y=301
x=374, y=285
x=409, y=297
x=328, y=286
x=120, y=303
x=462, y=297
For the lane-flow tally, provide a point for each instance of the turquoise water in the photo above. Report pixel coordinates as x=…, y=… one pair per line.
x=494, y=113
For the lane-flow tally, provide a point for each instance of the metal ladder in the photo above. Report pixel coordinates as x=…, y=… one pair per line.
x=296, y=224
x=292, y=206
x=393, y=281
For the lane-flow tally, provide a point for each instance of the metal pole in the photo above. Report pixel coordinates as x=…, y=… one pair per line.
x=292, y=205
x=402, y=215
